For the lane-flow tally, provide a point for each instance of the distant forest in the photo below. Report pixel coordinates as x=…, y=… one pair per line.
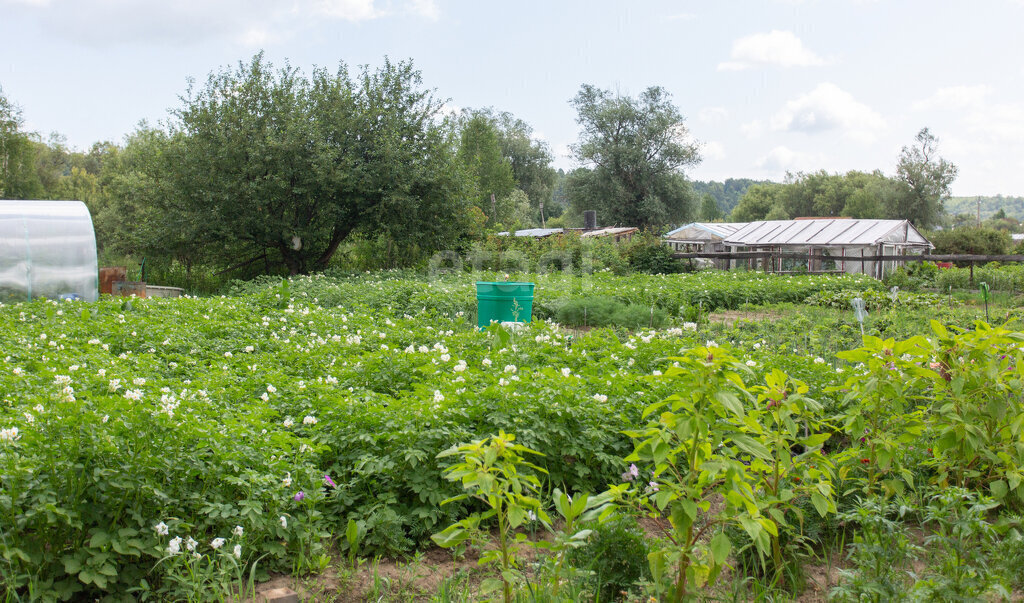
x=727, y=193
x=1012, y=206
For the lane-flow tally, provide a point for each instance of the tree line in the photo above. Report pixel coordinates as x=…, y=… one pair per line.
x=916, y=192
x=266, y=169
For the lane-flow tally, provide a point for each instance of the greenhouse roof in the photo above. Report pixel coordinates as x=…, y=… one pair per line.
x=827, y=232
x=718, y=229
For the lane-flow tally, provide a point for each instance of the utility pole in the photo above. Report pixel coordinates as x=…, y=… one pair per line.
x=979, y=211
x=542, y=215
x=494, y=210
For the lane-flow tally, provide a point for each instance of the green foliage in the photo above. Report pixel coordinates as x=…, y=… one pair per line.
x=652, y=257
x=270, y=162
x=704, y=443
x=970, y=240
x=480, y=151
x=616, y=556
x=602, y=311
x=878, y=300
x=881, y=415
x=18, y=177
x=1012, y=207
x=881, y=553
x=637, y=147
x=726, y=194
x=977, y=421
x=962, y=538
x=927, y=178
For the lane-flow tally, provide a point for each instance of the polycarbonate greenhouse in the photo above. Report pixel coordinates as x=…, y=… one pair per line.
x=47, y=249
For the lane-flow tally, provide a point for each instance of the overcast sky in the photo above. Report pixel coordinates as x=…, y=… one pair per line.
x=766, y=87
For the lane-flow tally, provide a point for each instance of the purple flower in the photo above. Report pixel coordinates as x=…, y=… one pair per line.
x=329, y=481
x=632, y=474
x=300, y=495
x=654, y=486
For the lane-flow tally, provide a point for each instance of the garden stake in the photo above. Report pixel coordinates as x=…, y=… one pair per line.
x=984, y=293
x=859, y=313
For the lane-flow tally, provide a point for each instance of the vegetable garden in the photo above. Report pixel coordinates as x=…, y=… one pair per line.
x=172, y=449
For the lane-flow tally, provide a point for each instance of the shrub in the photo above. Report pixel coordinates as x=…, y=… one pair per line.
x=653, y=258
x=973, y=240
x=616, y=554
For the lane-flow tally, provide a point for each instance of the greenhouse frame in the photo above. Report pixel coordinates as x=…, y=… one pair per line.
x=47, y=249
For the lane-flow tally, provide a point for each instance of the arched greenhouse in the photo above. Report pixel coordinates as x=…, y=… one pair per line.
x=47, y=249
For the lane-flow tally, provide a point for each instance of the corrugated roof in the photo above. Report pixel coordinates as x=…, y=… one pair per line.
x=534, y=232
x=718, y=229
x=827, y=232
x=603, y=232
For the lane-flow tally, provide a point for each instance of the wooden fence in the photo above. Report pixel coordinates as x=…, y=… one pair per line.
x=771, y=261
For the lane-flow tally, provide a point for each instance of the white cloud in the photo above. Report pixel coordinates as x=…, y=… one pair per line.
x=103, y=23
x=347, y=10
x=828, y=107
x=258, y=37
x=783, y=159
x=681, y=17
x=998, y=123
x=775, y=48
x=713, y=150
x=753, y=129
x=427, y=9
x=713, y=115
x=954, y=97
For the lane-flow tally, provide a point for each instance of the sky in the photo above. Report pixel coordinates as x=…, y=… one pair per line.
x=767, y=87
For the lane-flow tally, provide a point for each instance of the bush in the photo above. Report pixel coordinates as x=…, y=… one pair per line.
x=616, y=553
x=973, y=240
x=601, y=311
x=653, y=258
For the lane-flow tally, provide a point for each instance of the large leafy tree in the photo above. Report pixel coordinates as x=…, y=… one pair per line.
x=927, y=178
x=500, y=152
x=18, y=177
x=480, y=151
x=270, y=162
x=634, y=151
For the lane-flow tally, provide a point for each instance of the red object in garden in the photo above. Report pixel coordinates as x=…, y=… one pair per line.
x=108, y=276
x=944, y=264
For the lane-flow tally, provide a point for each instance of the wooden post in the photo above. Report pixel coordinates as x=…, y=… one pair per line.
x=862, y=261
x=972, y=274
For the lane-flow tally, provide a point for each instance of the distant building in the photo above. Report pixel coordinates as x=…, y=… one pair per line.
x=845, y=241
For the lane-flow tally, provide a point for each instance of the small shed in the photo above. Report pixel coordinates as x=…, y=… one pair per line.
x=47, y=249
x=845, y=241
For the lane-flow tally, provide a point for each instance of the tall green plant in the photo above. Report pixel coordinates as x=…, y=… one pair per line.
x=880, y=413
x=698, y=443
x=490, y=470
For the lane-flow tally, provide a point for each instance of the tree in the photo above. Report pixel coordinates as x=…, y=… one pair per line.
x=18, y=177
x=270, y=162
x=927, y=178
x=709, y=210
x=480, y=151
x=757, y=202
x=635, y=149
x=530, y=159
x=498, y=149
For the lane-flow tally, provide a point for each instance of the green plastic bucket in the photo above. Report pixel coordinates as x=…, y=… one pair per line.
x=503, y=302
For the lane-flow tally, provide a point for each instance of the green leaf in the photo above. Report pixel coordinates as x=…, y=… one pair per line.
x=752, y=446
x=820, y=503
x=720, y=547
x=999, y=489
